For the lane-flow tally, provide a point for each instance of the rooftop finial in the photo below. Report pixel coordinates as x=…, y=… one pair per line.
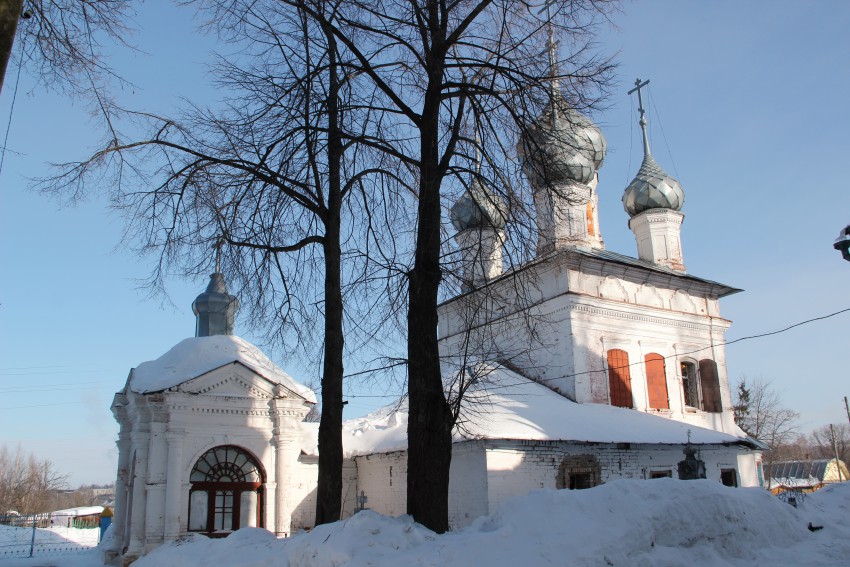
x=552, y=48
x=642, y=121
x=478, y=157
x=218, y=244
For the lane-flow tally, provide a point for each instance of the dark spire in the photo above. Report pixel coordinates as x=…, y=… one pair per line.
x=215, y=309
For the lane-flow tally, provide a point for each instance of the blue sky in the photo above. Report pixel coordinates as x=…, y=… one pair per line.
x=748, y=109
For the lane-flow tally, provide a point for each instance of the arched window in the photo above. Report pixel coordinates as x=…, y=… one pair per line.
x=656, y=381
x=227, y=491
x=619, y=378
x=689, y=384
x=710, y=384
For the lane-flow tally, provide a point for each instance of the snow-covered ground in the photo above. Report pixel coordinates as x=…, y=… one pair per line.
x=658, y=523
x=53, y=541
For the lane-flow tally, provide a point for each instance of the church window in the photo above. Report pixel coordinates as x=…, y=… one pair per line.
x=227, y=491
x=656, y=381
x=689, y=384
x=619, y=378
x=710, y=384
x=578, y=472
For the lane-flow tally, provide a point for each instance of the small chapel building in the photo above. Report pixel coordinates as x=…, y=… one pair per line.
x=210, y=439
x=589, y=366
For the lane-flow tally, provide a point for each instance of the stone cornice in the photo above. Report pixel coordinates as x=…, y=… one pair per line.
x=716, y=324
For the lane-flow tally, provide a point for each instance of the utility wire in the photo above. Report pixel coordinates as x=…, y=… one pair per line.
x=12, y=107
x=725, y=343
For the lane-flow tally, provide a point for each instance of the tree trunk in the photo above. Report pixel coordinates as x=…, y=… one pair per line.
x=429, y=426
x=329, y=489
x=10, y=13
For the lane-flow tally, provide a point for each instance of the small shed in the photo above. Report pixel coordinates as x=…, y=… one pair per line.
x=806, y=476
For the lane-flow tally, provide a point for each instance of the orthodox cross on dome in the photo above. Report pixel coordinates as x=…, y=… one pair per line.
x=638, y=86
x=552, y=48
x=478, y=156
x=218, y=244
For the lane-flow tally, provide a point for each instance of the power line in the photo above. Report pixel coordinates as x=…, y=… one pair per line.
x=725, y=343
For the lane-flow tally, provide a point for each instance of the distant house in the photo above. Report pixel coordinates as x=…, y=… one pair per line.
x=806, y=476
x=82, y=517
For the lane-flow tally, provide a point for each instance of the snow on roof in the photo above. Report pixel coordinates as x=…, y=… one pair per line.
x=82, y=511
x=196, y=356
x=505, y=405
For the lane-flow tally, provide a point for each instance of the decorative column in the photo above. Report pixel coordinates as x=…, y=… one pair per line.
x=120, y=512
x=156, y=474
x=283, y=481
x=286, y=414
x=135, y=545
x=173, y=484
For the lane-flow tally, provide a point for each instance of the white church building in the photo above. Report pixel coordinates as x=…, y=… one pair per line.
x=590, y=366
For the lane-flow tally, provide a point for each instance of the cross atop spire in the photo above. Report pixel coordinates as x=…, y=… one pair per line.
x=552, y=48
x=638, y=86
x=478, y=156
x=218, y=244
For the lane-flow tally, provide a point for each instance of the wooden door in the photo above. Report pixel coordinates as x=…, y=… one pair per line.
x=619, y=378
x=710, y=384
x=656, y=381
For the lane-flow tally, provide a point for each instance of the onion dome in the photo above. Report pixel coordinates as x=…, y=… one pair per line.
x=215, y=309
x=652, y=188
x=478, y=208
x=562, y=145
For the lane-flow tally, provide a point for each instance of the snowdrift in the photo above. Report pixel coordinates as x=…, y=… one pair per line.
x=659, y=523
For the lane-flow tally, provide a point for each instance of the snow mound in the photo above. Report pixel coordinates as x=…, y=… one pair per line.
x=196, y=356
x=628, y=523
x=367, y=538
x=248, y=547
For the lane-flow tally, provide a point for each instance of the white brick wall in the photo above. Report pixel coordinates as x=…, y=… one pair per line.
x=486, y=473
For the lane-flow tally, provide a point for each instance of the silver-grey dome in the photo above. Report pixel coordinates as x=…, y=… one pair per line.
x=215, y=309
x=652, y=188
x=562, y=145
x=479, y=207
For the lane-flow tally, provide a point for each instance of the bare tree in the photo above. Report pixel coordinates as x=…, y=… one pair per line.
x=415, y=76
x=27, y=484
x=281, y=176
x=760, y=413
x=61, y=41
x=435, y=62
x=829, y=441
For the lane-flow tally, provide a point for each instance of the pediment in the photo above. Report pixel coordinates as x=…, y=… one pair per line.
x=233, y=380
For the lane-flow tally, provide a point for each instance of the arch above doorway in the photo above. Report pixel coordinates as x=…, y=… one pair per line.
x=227, y=491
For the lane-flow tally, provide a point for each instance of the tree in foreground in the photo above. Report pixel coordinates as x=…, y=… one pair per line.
x=438, y=64
x=61, y=42
x=437, y=95
x=279, y=176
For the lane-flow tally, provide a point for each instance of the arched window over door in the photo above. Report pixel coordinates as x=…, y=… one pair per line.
x=710, y=384
x=227, y=492
x=619, y=378
x=656, y=381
